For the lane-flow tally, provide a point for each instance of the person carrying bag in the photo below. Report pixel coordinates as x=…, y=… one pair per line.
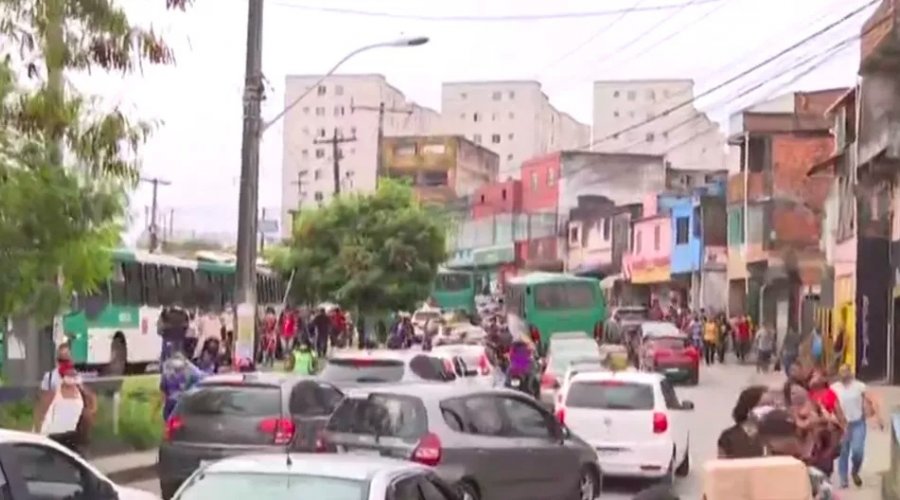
x=66, y=413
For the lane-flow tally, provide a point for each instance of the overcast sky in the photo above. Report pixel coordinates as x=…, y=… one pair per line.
x=198, y=101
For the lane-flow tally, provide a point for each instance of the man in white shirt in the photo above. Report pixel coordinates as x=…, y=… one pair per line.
x=857, y=406
x=51, y=379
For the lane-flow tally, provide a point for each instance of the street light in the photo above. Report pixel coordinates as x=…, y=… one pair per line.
x=400, y=42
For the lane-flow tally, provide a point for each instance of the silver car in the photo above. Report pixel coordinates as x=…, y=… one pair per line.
x=487, y=443
x=314, y=476
x=386, y=366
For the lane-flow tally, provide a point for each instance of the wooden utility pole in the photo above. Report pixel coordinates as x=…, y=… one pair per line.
x=382, y=110
x=153, y=227
x=335, y=141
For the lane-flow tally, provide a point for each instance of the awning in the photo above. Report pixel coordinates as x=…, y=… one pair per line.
x=590, y=268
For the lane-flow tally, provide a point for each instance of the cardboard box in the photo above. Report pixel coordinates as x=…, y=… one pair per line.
x=770, y=478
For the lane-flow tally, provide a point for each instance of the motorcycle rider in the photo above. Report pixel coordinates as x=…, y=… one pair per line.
x=521, y=364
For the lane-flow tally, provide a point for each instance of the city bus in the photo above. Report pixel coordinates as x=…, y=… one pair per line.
x=455, y=290
x=545, y=304
x=114, y=330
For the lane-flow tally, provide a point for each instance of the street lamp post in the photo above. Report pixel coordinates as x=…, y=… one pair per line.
x=254, y=127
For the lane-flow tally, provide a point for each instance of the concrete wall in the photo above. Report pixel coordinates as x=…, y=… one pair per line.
x=879, y=99
x=624, y=179
x=649, y=260
x=714, y=290
x=540, y=184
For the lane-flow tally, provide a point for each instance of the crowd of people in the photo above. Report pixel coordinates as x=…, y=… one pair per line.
x=819, y=422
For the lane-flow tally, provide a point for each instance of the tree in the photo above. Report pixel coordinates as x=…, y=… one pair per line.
x=64, y=166
x=373, y=253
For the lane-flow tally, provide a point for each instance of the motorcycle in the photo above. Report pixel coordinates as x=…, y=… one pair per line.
x=524, y=383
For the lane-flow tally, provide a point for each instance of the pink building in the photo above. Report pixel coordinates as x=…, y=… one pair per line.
x=648, y=264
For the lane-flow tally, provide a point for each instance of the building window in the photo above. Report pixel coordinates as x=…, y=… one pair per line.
x=463, y=95
x=318, y=196
x=551, y=177
x=607, y=223
x=317, y=174
x=632, y=95
x=475, y=117
x=433, y=179
x=573, y=236
x=304, y=153
x=665, y=135
x=616, y=94
x=534, y=181
x=698, y=227
x=656, y=237
x=434, y=149
x=321, y=90
x=495, y=138
x=338, y=111
x=352, y=131
x=509, y=157
x=512, y=116
x=502, y=195
x=494, y=117
x=682, y=228
x=615, y=114
x=651, y=94
x=405, y=150
x=512, y=94
x=320, y=153
x=338, y=90
x=735, y=227
x=650, y=137
x=306, y=110
x=462, y=116
x=482, y=199
x=497, y=96
x=510, y=136
x=320, y=132
x=476, y=138
x=320, y=111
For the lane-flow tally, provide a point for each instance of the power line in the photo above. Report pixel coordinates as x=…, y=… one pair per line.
x=737, y=77
x=497, y=18
x=627, y=45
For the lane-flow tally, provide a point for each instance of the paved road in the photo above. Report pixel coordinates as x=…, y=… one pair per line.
x=713, y=400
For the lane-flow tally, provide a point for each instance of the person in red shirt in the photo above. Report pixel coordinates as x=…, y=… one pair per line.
x=288, y=331
x=743, y=337
x=821, y=393
x=269, y=340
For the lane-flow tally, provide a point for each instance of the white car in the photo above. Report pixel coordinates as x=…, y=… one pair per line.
x=562, y=351
x=46, y=469
x=386, y=366
x=313, y=476
x=633, y=419
x=470, y=361
x=574, y=369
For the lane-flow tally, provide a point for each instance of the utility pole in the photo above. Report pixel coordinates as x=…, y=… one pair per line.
x=171, y=223
x=245, y=276
x=382, y=110
x=335, y=141
x=153, y=227
x=262, y=234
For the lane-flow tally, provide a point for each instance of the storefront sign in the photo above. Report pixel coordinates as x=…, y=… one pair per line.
x=651, y=271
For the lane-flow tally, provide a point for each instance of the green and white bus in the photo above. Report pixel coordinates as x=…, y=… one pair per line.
x=114, y=330
x=544, y=304
x=455, y=290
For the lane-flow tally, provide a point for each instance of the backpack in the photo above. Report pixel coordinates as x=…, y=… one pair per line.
x=817, y=346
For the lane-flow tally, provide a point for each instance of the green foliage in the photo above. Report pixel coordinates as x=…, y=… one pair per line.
x=377, y=252
x=64, y=167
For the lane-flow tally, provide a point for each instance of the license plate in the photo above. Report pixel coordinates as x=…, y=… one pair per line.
x=515, y=383
x=606, y=453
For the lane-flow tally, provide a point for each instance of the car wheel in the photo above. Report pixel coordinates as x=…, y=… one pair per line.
x=669, y=478
x=467, y=490
x=588, y=486
x=118, y=358
x=684, y=468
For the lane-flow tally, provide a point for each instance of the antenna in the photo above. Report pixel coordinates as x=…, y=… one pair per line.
x=287, y=446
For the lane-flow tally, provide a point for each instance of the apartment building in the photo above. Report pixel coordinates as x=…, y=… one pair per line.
x=515, y=119
x=686, y=137
x=346, y=105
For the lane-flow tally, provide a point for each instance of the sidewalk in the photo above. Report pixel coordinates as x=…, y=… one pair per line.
x=129, y=467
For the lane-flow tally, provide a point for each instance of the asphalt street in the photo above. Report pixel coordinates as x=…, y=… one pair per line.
x=713, y=398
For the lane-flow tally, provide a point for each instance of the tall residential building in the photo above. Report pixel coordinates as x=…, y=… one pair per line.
x=686, y=137
x=349, y=105
x=512, y=118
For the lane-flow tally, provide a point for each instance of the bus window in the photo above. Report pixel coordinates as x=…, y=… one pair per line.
x=187, y=287
x=151, y=285
x=168, y=285
x=453, y=282
x=226, y=287
x=118, y=293
x=134, y=288
x=218, y=289
x=515, y=300
x=203, y=289
x=564, y=296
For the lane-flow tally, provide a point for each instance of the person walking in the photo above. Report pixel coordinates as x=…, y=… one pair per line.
x=742, y=326
x=65, y=414
x=710, y=340
x=726, y=336
x=288, y=332
x=172, y=325
x=740, y=440
x=765, y=346
x=178, y=375
x=790, y=349
x=858, y=405
x=321, y=331
x=51, y=379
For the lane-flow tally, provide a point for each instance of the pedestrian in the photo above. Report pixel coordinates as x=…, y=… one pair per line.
x=269, y=338
x=65, y=414
x=178, y=375
x=779, y=436
x=743, y=337
x=302, y=361
x=819, y=438
x=824, y=395
x=695, y=328
x=858, y=405
x=227, y=320
x=172, y=325
x=765, y=346
x=740, y=440
x=192, y=335
x=710, y=340
x=726, y=334
x=817, y=348
x=790, y=349
x=321, y=332
x=288, y=332
x=51, y=379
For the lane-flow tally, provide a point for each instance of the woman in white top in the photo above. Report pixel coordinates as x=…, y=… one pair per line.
x=65, y=414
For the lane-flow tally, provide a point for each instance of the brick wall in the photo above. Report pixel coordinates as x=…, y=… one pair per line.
x=792, y=157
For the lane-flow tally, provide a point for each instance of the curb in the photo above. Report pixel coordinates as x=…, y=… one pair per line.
x=133, y=474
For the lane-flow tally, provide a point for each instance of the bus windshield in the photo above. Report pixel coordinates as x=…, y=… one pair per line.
x=453, y=282
x=564, y=296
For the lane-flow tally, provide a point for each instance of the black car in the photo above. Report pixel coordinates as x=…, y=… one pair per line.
x=227, y=415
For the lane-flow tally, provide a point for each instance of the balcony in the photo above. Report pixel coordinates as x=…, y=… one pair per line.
x=756, y=188
x=880, y=43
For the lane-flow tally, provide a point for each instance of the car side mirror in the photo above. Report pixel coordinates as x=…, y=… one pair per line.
x=687, y=405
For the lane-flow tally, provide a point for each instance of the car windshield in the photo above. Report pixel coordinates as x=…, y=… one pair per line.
x=671, y=343
x=659, y=328
x=610, y=395
x=242, y=485
x=363, y=370
x=580, y=351
x=233, y=400
x=631, y=315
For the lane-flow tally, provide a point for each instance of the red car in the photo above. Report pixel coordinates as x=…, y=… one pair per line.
x=672, y=355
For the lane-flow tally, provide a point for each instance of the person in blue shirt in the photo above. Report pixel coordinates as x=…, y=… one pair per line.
x=178, y=375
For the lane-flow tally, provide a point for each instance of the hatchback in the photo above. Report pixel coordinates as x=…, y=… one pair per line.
x=489, y=443
x=232, y=414
x=386, y=366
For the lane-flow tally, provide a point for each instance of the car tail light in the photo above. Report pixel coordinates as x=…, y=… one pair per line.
x=428, y=451
x=549, y=381
x=281, y=429
x=660, y=423
x=535, y=334
x=561, y=415
x=484, y=366
x=173, y=425
x=692, y=353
